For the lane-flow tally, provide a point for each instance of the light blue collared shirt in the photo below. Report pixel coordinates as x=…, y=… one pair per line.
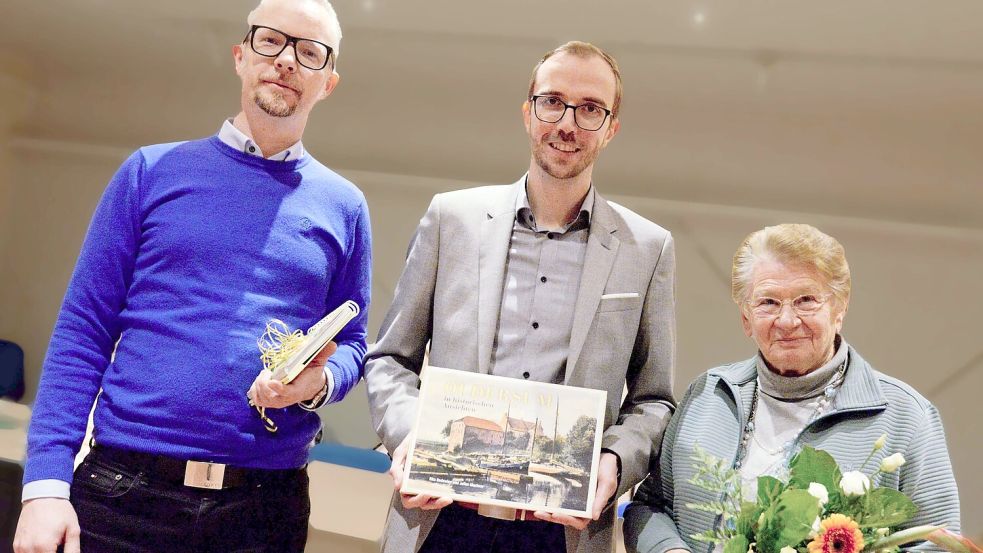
x=237, y=139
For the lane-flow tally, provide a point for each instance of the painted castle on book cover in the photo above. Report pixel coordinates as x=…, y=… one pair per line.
x=505, y=441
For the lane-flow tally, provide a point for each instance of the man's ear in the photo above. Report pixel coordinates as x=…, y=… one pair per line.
x=329, y=86
x=613, y=129
x=526, y=113
x=237, y=57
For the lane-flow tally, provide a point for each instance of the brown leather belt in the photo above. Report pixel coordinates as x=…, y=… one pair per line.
x=501, y=513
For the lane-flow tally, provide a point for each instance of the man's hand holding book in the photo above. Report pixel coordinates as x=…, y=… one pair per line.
x=294, y=364
x=271, y=393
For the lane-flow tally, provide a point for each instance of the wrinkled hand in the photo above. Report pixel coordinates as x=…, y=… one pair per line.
x=410, y=501
x=273, y=394
x=45, y=523
x=607, y=485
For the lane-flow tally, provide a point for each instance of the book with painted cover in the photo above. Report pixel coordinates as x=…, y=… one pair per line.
x=315, y=340
x=506, y=442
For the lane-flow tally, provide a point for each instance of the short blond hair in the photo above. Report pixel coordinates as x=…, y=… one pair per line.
x=583, y=50
x=797, y=244
x=331, y=19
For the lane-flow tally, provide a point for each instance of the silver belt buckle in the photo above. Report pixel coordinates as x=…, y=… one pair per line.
x=496, y=511
x=208, y=476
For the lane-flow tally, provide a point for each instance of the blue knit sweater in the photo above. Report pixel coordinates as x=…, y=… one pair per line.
x=192, y=249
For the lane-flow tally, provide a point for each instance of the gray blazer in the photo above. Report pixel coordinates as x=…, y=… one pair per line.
x=868, y=405
x=449, y=296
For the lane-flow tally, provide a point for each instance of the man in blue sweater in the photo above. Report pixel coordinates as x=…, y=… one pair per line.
x=192, y=249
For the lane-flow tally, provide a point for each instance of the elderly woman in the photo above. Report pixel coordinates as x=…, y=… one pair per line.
x=806, y=386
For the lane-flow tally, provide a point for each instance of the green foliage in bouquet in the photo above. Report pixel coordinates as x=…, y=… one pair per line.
x=819, y=509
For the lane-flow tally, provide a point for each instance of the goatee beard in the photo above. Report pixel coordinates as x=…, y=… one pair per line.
x=275, y=107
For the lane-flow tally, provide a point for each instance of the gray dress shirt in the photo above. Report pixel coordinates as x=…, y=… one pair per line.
x=542, y=279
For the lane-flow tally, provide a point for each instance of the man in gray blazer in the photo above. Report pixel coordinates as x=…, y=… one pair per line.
x=543, y=280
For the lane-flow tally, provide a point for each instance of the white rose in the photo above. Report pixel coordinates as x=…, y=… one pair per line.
x=815, y=528
x=880, y=442
x=819, y=491
x=854, y=483
x=788, y=549
x=892, y=462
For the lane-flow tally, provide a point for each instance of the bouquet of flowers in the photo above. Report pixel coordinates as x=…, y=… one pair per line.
x=818, y=510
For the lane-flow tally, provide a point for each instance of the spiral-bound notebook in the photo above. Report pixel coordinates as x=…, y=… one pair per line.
x=315, y=339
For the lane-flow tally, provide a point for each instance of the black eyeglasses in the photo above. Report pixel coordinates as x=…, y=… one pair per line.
x=550, y=109
x=269, y=42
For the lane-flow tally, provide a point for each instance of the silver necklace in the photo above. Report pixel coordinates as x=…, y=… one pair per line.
x=828, y=394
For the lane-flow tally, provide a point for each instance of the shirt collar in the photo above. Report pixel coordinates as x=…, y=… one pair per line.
x=523, y=211
x=234, y=138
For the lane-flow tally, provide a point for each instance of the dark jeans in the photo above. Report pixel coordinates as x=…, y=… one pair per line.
x=10, y=476
x=462, y=530
x=122, y=508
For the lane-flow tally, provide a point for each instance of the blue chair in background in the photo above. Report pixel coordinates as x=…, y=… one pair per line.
x=350, y=494
x=11, y=370
x=348, y=456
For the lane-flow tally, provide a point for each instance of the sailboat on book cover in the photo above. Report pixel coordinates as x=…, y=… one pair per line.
x=507, y=442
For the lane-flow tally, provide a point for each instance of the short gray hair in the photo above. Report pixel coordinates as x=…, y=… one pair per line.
x=792, y=244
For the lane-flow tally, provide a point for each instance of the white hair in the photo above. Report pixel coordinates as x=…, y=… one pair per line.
x=794, y=244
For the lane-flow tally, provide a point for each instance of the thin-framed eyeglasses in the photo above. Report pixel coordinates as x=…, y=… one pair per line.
x=805, y=305
x=269, y=42
x=550, y=109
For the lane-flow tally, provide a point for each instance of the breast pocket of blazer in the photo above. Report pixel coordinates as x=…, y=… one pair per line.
x=622, y=301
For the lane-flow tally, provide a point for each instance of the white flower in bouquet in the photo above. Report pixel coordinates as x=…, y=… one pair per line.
x=819, y=491
x=892, y=462
x=879, y=444
x=858, y=524
x=854, y=483
x=816, y=526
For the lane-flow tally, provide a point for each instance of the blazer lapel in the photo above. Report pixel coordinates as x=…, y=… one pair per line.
x=602, y=248
x=493, y=249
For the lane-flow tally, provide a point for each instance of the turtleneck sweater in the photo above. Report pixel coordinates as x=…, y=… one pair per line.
x=786, y=404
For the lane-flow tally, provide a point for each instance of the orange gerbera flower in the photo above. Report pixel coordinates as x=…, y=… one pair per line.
x=838, y=534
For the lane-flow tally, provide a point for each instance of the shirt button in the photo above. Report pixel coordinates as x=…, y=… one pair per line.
x=525, y=374
x=551, y=235
x=535, y=325
x=542, y=279
x=252, y=149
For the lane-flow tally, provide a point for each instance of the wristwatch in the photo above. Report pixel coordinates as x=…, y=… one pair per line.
x=320, y=397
